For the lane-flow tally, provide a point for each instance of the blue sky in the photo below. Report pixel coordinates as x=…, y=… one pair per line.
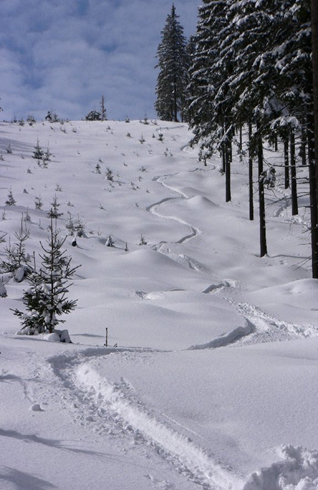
x=63, y=55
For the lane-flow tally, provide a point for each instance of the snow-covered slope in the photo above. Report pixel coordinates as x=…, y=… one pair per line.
x=210, y=380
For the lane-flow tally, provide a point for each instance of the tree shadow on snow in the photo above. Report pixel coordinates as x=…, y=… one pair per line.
x=24, y=481
x=53, y=443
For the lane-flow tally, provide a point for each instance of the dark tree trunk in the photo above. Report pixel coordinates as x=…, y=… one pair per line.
x=314, y=38
x=313, y=197
x=241, y=140
x=250, y=174
x=293, y=175
x=227, y=172
x=286, y=160
x=262, y=221
x=303, y=145
x=275, y=142
x=223, y=158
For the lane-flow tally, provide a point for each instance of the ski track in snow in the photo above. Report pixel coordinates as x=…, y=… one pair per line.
x=153, y=209
x=114, y=410
x=259, y=328
x=267, y=328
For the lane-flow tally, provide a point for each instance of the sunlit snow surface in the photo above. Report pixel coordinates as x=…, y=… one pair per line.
x=210, y=379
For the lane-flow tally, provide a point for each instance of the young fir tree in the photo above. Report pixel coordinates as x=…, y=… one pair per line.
x=46, y=299
x=38, y=152
x=16, y=256
x=54, y=211
x=103, y=113
x=173, y=64
x=10, y=199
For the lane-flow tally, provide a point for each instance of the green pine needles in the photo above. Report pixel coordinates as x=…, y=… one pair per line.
x=46, y=298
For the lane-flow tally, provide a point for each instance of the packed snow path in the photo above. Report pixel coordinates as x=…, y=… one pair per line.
x=116, y=412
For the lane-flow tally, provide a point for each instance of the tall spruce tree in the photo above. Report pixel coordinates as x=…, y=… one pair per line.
x=173, y=65
x=205, y=76
x=252, y=65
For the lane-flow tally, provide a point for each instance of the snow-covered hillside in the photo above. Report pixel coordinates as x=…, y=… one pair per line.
x=210, y=378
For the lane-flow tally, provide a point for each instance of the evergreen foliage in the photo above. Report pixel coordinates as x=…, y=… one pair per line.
x=173, y=64
x=103, y=114
x=252, y=65
x=93, y=116
x=15, y=254
x=46, y=298
x=10, y=199
x=54, y=211
x=38, y=152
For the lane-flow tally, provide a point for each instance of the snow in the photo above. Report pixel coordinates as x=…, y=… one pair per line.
x=209, y=379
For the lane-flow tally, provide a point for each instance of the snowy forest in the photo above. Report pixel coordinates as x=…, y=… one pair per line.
x=249, y=65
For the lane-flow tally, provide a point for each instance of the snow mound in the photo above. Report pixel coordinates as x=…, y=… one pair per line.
x=297, y=471
x=228, y=338
x=301, y=293
x=201, y=202
x=36, y=407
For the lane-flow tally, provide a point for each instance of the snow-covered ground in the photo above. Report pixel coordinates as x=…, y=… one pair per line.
x=210, y=379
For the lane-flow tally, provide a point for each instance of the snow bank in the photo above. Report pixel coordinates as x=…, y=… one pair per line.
x=297, y=471
x=228, y=338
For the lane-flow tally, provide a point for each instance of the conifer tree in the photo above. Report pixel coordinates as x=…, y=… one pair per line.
x=46, y=299
x=173, y=76
x=252, y=65
x=16, y=256
x=103, y=114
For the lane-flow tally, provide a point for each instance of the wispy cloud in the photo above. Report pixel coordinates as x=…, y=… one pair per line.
x=63, y=55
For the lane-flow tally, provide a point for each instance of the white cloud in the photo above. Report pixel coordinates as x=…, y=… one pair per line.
x=63, y=55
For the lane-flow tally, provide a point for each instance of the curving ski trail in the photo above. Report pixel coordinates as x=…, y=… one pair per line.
x=163, y=247
x=113, y=409
x=267, y=328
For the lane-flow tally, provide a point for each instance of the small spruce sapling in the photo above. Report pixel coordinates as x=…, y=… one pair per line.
x=54, y=211
x=75, y=226
x=109, y=175
x=109, y=242
x=38, y=203
x=10, y=199
x=16, y=256
x=31, y=120
x=46, y=298
x=38, y=152
x=142, y=240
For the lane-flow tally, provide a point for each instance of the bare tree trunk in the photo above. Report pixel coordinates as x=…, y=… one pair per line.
x=313, y=197
x=250, y=174
x=227, y=172
x=293, y=175
x=286, y=160
x=314, y=37
x=241, y=139
x=262, y=221
x=275, y=142
x=303, y=145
